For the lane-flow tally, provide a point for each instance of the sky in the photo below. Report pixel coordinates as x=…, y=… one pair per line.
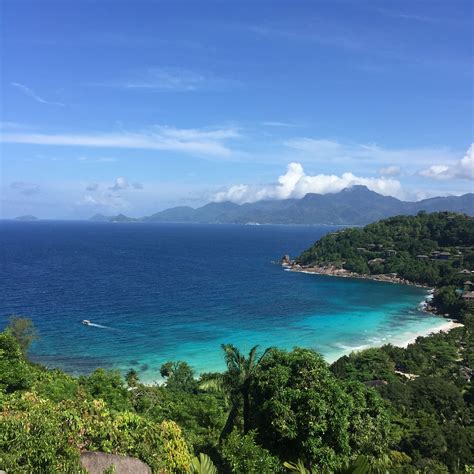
x=136, y=106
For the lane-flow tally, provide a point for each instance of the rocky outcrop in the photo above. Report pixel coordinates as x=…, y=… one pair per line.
x=97, y=463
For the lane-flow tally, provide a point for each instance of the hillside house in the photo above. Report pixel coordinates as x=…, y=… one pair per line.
x=468, y=296
x=468, y=285
x=444, y=255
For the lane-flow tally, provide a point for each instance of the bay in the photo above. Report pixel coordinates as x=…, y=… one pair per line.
x=160, y=292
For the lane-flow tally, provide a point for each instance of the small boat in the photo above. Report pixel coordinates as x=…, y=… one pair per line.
x=86, y=322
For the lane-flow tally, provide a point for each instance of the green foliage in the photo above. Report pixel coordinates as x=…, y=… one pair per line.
x=38, y=435
x=14, y=370
x=23, y=331
x=244, y=456
x=298, y=467
x=303, y=411
x=369, y=421
x=108, y=386
x=360, y=465
x=447, y=300
x=235, y=383
x=54, y=384
x=438, y=354
x=132, y=378
x=202, y=465
x=201, y=415
x=366, y=365
x=399, y=241
x=179, y=376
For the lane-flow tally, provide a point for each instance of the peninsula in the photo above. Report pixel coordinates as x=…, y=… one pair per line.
x=431, y=250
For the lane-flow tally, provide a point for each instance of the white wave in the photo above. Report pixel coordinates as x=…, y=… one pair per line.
x=99, y=326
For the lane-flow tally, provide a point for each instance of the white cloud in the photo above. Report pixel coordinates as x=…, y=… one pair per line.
x=295, y=183
x=461, y=169
x=389, y=171
x=26, y=90
x=193, y=141
x=331, y=150
x=108, y=199
x=167, y=79
x=120, y=183
x=103, y=203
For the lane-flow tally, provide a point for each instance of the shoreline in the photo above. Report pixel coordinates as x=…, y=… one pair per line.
x=403, y=340
x=342, y=273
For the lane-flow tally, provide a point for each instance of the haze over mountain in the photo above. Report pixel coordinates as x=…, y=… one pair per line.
x=356, y=205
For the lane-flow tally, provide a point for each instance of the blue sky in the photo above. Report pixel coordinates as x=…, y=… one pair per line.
x=112, y=106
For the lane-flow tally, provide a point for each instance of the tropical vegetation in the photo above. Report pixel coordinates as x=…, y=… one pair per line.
x=382, y=410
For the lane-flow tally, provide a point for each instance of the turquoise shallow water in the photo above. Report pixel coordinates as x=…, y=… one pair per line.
x=176, y=292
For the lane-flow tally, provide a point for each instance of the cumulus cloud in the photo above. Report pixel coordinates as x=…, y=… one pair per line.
x=461, y=169
x=28, y=189
x=92, y=187
x=389, y=171
x=295, y=183
x=120, y=184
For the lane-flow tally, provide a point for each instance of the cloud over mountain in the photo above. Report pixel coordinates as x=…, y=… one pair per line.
x=295, y=183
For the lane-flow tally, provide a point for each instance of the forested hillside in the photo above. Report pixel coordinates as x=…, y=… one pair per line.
x=434, y=249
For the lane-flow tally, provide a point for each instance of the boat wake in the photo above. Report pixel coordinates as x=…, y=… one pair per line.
x=98, y=326
x=86, y=322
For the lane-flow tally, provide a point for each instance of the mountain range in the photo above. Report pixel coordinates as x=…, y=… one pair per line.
x=356, y=205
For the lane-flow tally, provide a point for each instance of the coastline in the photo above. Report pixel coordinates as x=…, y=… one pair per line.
x=403, y=340
x=330, y=270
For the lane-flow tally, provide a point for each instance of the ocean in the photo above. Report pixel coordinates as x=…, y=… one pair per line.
x=160, y=292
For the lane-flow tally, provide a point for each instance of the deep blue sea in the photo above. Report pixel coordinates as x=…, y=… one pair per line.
x=160, y=292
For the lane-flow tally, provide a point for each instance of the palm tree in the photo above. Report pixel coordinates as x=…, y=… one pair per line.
x=235, y=383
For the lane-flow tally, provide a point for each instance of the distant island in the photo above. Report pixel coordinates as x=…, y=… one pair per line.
x=356, y=205
x=26, y=218
x=117, y=218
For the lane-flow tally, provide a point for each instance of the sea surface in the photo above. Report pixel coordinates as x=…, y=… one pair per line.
x=159, y=292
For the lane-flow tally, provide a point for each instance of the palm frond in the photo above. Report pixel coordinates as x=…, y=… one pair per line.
x=202, y=465
x=233, y=358
x=251, y=358
x=265, y=353
x=215, y=384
